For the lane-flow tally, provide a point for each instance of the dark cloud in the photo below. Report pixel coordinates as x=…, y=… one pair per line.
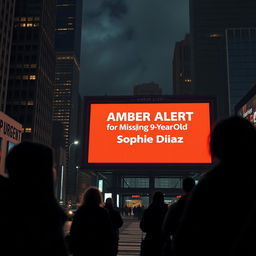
x=127, y=42
x=116, y=8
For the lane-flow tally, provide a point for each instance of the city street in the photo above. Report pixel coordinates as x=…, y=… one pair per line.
x=130, y=237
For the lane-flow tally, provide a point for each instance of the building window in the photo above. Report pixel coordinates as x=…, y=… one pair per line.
x=28, y=130
x=215, y=35
x=166, y=182
x=134, y=182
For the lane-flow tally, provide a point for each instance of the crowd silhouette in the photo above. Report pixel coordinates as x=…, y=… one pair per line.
x=215, y=217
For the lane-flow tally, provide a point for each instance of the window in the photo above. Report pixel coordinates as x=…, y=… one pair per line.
x=167, y=182
x=134, y=182
x=28, y=130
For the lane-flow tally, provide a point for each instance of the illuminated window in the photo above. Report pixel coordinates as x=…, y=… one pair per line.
x=215, y=35
x=32, y=77
x=29, y=77
x=30, y=103
x=28, y=25
x=28, y=130
x=64, y=29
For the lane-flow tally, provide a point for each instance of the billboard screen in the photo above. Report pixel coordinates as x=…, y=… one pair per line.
x=248, y=110
x=148, y=133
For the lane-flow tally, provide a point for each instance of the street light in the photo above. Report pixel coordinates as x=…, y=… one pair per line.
x=77, y=177
x=75, y=142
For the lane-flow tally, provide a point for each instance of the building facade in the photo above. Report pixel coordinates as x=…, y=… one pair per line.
x=66, y=87
x=182, y=68
x=208, y=23
x=31, y=80
x=7, y=8
x=241, y=63
x=147, y=89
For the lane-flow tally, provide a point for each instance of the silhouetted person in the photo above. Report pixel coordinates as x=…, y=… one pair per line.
x=35, y=218
x=174, y=214
x=4, y=213
x=221, y=203
x=117, y=222
x=92, y=232
x=151, y=223
x=139, y=212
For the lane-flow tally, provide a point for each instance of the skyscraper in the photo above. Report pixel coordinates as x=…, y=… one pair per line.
x=31, y=80
x=182, y=67
x=66, y=87
x=241, y=58
x=209, y=20
x=147, y=89
x=6, y=28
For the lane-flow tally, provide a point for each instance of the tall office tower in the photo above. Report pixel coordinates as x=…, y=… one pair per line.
x=66, y=87
x=241, y=57
x=182, y=67
x=209, y=20
x=147, y=89
x=6, y=28
x=30, y=89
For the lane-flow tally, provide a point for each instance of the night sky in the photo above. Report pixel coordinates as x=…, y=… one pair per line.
x=127, y=42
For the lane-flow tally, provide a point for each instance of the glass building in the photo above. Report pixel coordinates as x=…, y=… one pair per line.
x=136, y=187
x=182, y=67
x=241, y=59
x=209, y=20
x=32, y=65
x=7, y=8
x=66, y=86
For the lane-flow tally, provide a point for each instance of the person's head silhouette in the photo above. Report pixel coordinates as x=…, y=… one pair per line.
x=109, y=203
x=158, y=198
x=30, y=168
x=92, y=197
x=234, y=140
x=188, y=184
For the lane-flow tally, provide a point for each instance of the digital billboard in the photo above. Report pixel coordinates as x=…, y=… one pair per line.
x=148, y=133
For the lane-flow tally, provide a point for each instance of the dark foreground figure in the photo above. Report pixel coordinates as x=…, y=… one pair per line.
x=92, y=232
x=116, y=220
x=34, y=221
x=173, y=217
x=151, y=223
x=220, y=215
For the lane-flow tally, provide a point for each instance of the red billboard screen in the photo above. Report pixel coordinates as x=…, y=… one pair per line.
x=149, y=133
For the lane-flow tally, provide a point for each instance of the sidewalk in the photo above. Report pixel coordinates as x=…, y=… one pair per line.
x=130, y=237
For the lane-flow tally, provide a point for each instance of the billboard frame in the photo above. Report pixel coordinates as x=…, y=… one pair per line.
x=140, y=99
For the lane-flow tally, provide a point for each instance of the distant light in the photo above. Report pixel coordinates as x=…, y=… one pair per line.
x=117, y=200
x=77, y=167
x=100, y=185
x=76, y=142
x=107, y=195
